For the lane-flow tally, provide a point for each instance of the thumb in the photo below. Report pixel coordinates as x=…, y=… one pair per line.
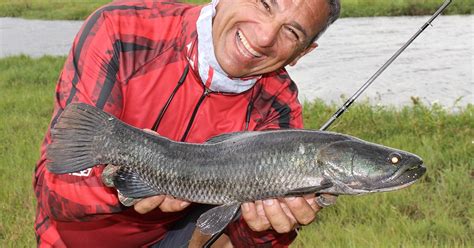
x=150, y=131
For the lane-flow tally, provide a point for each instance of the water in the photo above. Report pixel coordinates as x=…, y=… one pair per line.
x=36, y=37
x=436, y=68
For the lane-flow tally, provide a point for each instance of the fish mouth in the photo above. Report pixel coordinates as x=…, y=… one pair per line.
x=404, y=177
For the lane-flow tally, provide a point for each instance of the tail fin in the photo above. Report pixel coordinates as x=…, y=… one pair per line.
x=74, y=138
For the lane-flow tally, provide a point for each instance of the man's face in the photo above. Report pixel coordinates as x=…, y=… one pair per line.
x=253, y=37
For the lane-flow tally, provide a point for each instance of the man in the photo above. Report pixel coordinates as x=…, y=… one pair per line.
x=188, y=73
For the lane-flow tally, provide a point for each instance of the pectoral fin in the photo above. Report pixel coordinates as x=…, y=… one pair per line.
x=216, y=219
x=131, y=185
x=309, y=190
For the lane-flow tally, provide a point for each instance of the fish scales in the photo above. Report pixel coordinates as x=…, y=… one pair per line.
x=196, y=174
x=242, y=179
x=228, y=169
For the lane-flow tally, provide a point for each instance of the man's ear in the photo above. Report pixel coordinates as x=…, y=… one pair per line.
x=310, y=48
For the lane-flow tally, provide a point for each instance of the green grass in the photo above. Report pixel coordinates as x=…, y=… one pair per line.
x=80, y=9
x=54, y=9
x=435, y=212
x=26, y=93
x=359, y=8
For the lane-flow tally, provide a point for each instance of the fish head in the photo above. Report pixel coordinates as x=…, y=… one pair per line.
x=362, y=167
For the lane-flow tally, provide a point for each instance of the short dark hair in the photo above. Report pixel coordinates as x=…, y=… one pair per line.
x=334, y=12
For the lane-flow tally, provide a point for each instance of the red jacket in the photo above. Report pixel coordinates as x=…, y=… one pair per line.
x=132, y=59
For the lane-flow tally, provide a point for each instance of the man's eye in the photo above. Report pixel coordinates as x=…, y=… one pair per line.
x=293, y=32
x=265, y=5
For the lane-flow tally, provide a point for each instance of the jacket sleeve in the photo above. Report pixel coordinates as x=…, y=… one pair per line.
x=91, y=75
x=285, y=111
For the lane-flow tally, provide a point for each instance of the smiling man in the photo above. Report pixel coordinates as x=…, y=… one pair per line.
x=256, y=37
x=188, y=73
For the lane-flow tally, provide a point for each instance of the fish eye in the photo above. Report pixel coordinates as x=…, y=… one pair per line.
x=394, y=158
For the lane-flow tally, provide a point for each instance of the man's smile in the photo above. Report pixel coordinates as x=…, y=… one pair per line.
x=244, y=46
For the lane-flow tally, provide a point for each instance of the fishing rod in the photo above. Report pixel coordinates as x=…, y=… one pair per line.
x=351, y=100
x=322, y=200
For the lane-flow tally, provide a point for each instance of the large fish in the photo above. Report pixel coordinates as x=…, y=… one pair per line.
x=228, y=169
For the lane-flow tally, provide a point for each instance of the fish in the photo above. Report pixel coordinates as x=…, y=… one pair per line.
x=228, y=169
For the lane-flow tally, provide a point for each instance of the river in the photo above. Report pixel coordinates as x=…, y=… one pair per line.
x=436, y=68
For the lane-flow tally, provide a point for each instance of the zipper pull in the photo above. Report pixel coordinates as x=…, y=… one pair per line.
x=207, y=91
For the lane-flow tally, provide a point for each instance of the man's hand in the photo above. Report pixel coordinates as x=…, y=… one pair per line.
x=282, y=215
x=164, y=202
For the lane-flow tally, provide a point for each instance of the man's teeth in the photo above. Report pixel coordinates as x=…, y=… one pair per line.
x=247, y=46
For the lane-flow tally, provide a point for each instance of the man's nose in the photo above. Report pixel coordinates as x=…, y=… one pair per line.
x=267, y=34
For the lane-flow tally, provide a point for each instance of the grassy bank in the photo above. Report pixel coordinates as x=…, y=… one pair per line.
x=80, y=9
x=435, y=212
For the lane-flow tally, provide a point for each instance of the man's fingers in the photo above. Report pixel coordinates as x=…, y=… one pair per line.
x=249, y=213
x=280, y=222
x=302, y=210
x=146, y=205
x=164, y=202
x=127, y=201
x=287, y=211
x=254, y=216
x=171, y=204
x=282, y=215
x=311, y=200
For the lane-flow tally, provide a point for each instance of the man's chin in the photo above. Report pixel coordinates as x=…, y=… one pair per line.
x=235, y=71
